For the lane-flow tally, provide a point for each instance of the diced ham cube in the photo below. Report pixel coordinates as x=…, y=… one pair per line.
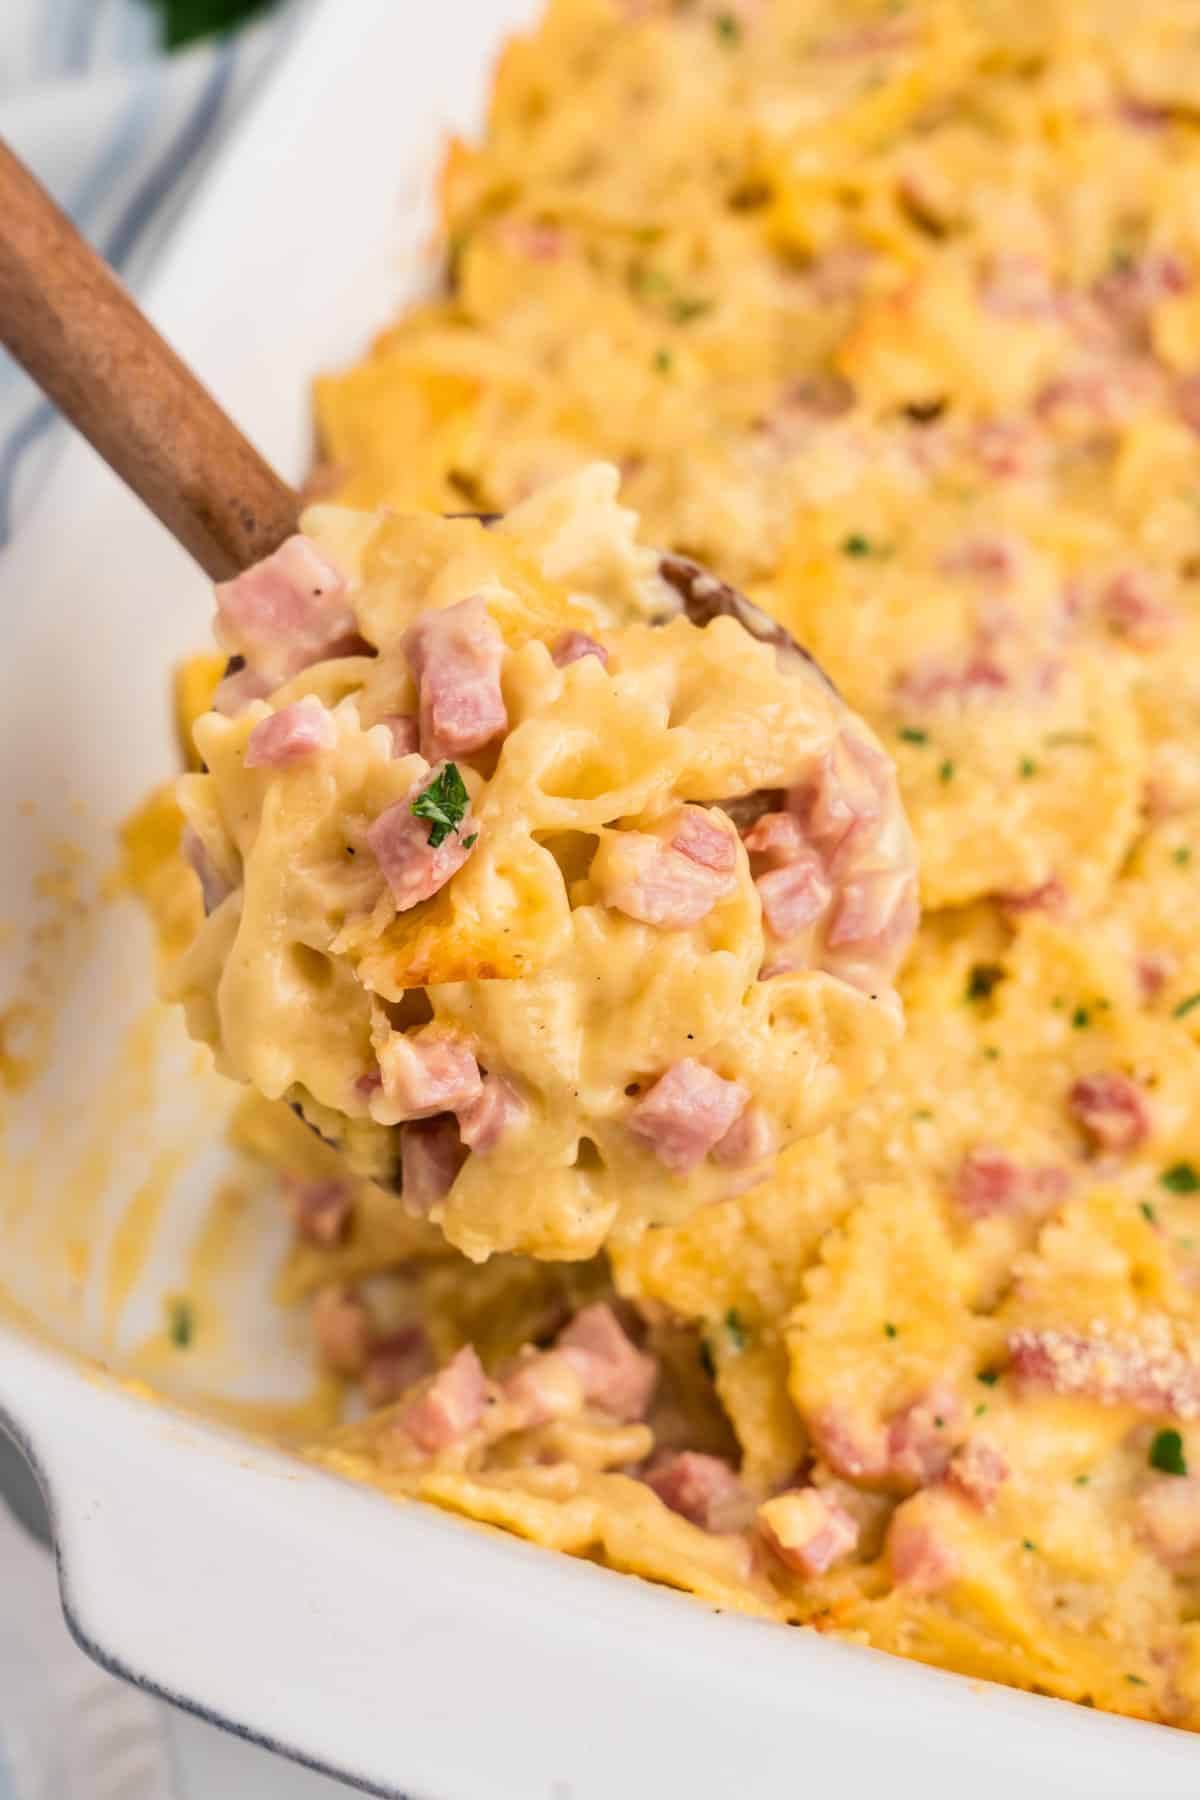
x=846, y=798
x=936, y=679
x=794, y=897
x=877, y=907
x=1010, y=448
x=1168, y=1518
x=1133, y=607
x=396, y=1362
x=545, y=1385
x=774, y=840
x=686, y=1114
x=406, y=733
x=1130, y=294
x=320, y=1210
x=399, y=841
x=921, y=1438
x=431, y=1154
x=701, y=1488
x=808, y=1530
x=977, y=1472
x=1018, y=287
x=342, y=1329
x=456, y=656
x=638, y=874
x=287, y=612
x=855, y=1451
x=450, y=1407
x=921, y=1556
x=750, y=1139
x=1153, y=969
x=1050, y=897
x=617, y=1376
x=1112, y=1109
x=294, y=734
x=496, y=1109
x=573, y=646
x=989, y=1183
x=703, y=835
x=1117, y=1371
x=424, y=1074
x=537, y=239
x=213, y=886
x=988, y=558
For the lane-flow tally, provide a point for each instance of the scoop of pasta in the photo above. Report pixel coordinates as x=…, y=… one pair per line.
x=542, y=874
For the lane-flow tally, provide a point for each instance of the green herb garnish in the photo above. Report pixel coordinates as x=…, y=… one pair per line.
x=1180, y=1178
x=989, y=1377
x=728, y=28
x=662, y=361
x=1136, y=1681
x=180, y=1323
x=444, y=803
x=889, y=1330
x=735, y=1328
x=1082, y=1480
x=1185, y=1006
x=946, y=772
x=982, y=979
x=1028, y=1544
x=186, y=20
x=1166, y=1452
x=1148, y=1213
x=1183, y=854
x=856, y=545
x=1081, y=1018
x=1027, y=768
x=910, y=734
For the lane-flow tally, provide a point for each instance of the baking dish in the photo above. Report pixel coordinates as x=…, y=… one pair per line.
x=407, y=1651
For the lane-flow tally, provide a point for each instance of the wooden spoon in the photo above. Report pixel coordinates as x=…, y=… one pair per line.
x=73, y=326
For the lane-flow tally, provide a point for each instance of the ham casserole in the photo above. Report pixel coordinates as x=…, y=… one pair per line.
x=888, y=311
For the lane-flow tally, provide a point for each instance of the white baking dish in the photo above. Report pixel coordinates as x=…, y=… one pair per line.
x=407, y=1651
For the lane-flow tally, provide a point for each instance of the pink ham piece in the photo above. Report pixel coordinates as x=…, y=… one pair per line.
x=1167, y=1513
x=876, y=908
x=702, y=1489
x=854, y=1450
x=750, y=1139
x=496, y=1109
x=1153, y=969
x=287, y=612
x=536, y=239
x=1050, y=897
x=450, y=1408
x=213, y=886
x=686, y=1114
x=617, y=1377
x=455, y=656
x=920, y=1439
x=977, y=1472
x=1133, y=607
x=990, y=1183
x=399, y=842
x=638, y=874
x=846, y=799
x=775, y=840
x=573, y=646
x=705, y=838
x=794, y=897
x=396, y=1362
x=1117, y=1371
x=406, y=733
x=342, y=1329
x=808, y=1530
x=1009, y=449
x=544, y=1386
x=922, y=1559
x=991, y=559
x=1112, y=1110
x=1130, y=294
x=423, y=1075
x=321, y=1211
x=936, y=679
x=295, y=734
x=1018, y=287
x=431, y=1154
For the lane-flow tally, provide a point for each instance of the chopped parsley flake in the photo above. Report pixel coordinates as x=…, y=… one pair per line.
x=1183, y=854
x=1081, y=1018
x=735, y=1328
x=981, y=1409
x=1065, y=740
x=939, y=1421
x=1147, y=1211
x=1082, y=1480
x=728, y=28
x=662, y=361
x=982, y=979
x=1136, y=1681
x=1166, y=1452
x=922, y=1112
x=889, y=1330
x=989, y=1377
x=946, y=771
x=910, y=734
x=991, y=1052
x=180, y=1323
x=1180, y=1178
x=1186, y=1006
x=1027, y=768
x=857, y=545
x=470, y=843
x=1028, y=1544
x=680, y=307
x=444, y=803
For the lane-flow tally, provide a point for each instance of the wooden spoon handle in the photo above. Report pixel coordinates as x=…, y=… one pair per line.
x=69, y=321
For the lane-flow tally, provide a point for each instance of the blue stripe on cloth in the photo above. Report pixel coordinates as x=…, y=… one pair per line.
x=150, y=194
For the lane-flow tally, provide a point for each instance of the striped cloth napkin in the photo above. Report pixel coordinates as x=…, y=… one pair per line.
x=120, y=132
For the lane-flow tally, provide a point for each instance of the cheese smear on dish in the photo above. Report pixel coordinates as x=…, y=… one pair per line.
x=889, y=311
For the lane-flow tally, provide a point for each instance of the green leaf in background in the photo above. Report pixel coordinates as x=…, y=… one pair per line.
x=186, y=20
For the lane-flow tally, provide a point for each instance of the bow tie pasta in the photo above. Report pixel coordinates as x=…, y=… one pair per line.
x=543, y=876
